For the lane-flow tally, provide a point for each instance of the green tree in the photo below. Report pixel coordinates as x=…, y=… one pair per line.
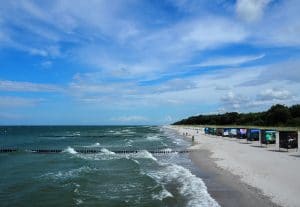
x=277, y=115
x=295, y=110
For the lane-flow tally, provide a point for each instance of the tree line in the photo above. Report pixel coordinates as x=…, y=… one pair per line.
x=277, y=115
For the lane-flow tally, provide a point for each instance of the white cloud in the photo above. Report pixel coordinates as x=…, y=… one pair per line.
x=89, y=26
x=9, y=101
x=125, y=52
x=287, y=71
x=248, y=99
x=47, y=24
x=235, y=101
x=6, y=85
x=279, y=27
x=211, y=32
x=128, y=119
x=46, y=64
x=228, y=61
x=175, y=44
x=182, y=39
x=251, y=10
x=275, y=94
x=222, y=87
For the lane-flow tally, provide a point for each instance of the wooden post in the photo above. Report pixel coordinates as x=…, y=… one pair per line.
x=277, y=140
x=259, y=137
x=298, y=140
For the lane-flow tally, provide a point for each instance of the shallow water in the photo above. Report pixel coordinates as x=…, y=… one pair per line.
x=102, y=179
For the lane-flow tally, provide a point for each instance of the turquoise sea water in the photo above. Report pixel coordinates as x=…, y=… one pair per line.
x=102, y=179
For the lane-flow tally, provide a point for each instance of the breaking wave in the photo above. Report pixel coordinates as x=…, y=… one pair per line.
x=107, y=152
x=63, y=175
x=162, y=195
x=70, y=150
x=189, y=186
x=143, y=154
x=153, y=138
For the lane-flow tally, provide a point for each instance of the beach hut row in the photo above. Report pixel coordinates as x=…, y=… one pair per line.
x=282, y=139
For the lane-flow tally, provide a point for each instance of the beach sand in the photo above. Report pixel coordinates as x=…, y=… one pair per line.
x=239, y=174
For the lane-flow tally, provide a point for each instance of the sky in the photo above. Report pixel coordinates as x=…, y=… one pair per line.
x=129, y=62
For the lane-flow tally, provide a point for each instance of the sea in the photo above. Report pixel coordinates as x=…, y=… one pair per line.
x=109, y=177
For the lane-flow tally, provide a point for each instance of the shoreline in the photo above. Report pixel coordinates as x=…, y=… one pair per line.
x=239, y=174
x=226, y=188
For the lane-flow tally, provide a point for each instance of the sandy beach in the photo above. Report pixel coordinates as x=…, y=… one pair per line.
x=240, y=174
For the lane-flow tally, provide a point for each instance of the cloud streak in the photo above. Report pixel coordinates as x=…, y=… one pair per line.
x=228, y=61
x=126, y=119
x=17, y=86
x=12, y=102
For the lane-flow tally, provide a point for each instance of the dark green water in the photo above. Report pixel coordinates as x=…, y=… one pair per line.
x=102, y=179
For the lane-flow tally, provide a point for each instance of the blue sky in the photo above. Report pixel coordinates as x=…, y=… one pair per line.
x=145, y=62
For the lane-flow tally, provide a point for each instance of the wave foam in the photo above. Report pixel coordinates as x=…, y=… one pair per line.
x=144, y=154
x=97, y=144
x=153, y=138
x=128, y=142
x=78, y=201
x=70, y=150
x=106, y=151
x=105, y=154
x=76, y=134
x=67, y=174
x=190, y=186
x=125, y=130
x=167, y=150
x=162, y=194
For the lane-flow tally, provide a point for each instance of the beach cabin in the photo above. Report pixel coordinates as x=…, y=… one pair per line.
x=288, y=139
x=253, y=134
x=241, y=133
x=232, y=132
x=212, y=131
x=226, y=132
x=206, y=130
x=219, y=132
x=268, y=137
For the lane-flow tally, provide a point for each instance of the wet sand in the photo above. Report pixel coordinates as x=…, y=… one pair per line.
x=227, y=189
x=240, y=174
